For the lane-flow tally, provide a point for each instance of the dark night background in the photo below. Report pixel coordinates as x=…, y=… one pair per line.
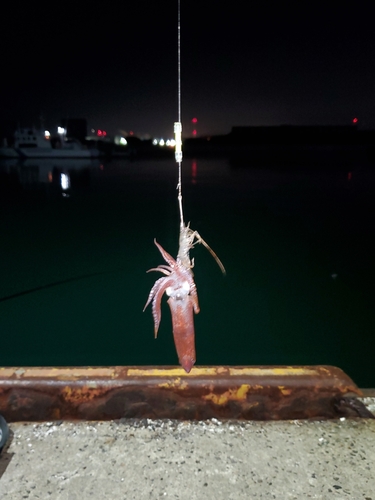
x=260, y=63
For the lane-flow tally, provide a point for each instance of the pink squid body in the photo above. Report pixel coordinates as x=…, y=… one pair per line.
x=182, y=307
x=183, y=301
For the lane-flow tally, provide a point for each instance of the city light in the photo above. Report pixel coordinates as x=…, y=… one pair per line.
x=120, y=140
x=170, y=143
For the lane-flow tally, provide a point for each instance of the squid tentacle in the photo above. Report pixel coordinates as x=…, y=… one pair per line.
x=157, y=284
x=163, y=270
x=166, y=256
x=156, y=303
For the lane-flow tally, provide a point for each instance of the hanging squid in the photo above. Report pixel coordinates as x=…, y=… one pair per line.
x=178, y=282
x=179, y=285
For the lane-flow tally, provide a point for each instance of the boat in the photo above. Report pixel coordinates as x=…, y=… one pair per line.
x=33, y=143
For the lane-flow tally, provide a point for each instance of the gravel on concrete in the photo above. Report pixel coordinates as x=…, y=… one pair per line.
x=153, y=459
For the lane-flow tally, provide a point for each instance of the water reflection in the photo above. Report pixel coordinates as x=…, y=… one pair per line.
x=59, y=175
x=194, y=169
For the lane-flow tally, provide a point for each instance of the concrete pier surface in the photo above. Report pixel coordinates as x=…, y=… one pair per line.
x=152, y=459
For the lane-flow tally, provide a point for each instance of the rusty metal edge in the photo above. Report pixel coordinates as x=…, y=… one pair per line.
x=226, y=392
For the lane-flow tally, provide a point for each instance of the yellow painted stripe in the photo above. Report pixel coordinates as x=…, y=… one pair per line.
x=69, y=372
x=72, y=372
x=61, y=373
x=6, y=372
x=279, y=371
x=171, y=372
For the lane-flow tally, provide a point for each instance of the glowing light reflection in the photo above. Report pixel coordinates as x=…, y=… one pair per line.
x=194, y=169
x=64, y=181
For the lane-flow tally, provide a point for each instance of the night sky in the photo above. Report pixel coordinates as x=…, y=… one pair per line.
x=243, y=63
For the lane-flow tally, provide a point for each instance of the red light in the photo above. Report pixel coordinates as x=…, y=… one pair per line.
x=349, y=176
x=194, y=120
x=194, y=132
x=355, y=120
x=104, y=133
x=99, y=132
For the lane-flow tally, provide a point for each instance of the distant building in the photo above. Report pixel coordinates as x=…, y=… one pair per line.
x=296, y=134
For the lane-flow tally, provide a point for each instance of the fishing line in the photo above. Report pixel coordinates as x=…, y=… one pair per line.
x=178, y=124
x=178, y=282
x=50, y=285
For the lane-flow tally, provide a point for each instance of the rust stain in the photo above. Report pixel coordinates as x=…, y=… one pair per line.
x=174, y=383
x=238, y=394
x=285, y=392
x=80, y=395
x=104, y=393
x=56, y=414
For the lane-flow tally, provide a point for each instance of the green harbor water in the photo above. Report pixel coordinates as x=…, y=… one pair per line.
x=298, y=247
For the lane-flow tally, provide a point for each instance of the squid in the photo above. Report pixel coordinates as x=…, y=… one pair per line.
x=178, y=283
